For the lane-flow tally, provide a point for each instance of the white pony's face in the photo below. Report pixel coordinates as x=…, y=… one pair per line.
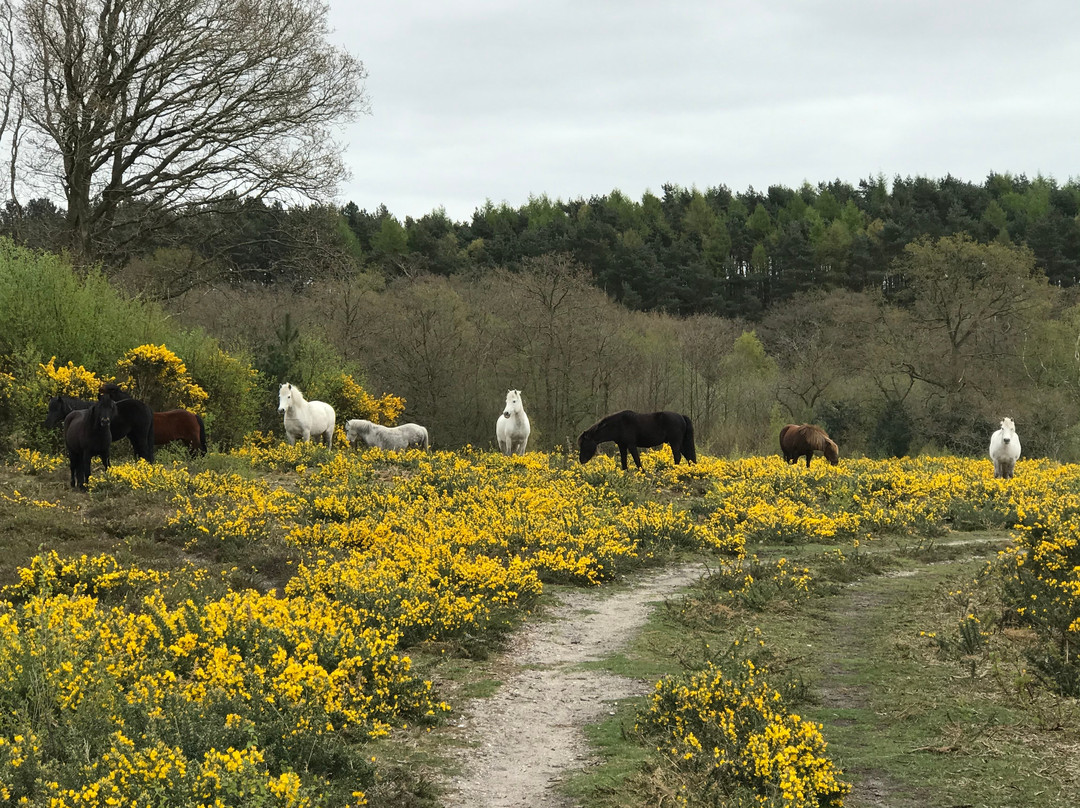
x=284, y=398
x=513, y=400
x=1008, y=430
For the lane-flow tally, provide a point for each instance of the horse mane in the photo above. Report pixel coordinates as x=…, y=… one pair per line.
x=296, y=391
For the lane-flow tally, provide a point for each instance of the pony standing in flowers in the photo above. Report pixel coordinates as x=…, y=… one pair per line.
x=798, y=440
x=512, y=428
x=1005, y=449
x=405, y=436
x=631, y=431
x=88, y=432
x=305, y=420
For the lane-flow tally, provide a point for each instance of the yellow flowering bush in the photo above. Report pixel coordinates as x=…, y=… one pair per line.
x=727, y=729
x=70, y=380
x=99, y=576
x=31, y=461
x=350, y=400
x=1041, y=573
x=154, y=374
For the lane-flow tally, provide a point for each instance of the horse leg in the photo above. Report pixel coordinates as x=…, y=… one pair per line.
x=622, y=455
x=809, y=457
x=676, y=455
x=84, y=469
x=636, y=455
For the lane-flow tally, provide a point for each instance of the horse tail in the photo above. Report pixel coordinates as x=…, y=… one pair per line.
x=688, y=449
x=202, y=434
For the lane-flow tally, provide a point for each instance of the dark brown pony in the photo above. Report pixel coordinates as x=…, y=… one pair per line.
x=133, y=420
x=633, y=430
x=88, y=432
x=180, y=425
x=796, y=441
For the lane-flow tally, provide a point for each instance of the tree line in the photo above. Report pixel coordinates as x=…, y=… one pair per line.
x=683, y=252
x=976, y=334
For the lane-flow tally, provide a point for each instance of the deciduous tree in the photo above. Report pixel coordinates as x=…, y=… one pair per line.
x=136, y=110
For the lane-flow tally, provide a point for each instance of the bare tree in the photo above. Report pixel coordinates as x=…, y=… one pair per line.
x=138, y=110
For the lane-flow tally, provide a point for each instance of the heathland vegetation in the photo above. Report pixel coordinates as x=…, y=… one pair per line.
x=281, y=626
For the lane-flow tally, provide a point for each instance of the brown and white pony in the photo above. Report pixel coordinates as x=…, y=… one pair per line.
x=806, y=439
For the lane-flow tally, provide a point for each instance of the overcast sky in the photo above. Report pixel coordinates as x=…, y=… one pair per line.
x=487, y=99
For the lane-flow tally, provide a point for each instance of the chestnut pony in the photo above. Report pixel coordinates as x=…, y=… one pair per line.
x=797, y=440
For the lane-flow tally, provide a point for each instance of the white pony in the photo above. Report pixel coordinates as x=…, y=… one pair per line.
x=512, y=428
x=305, y=419
x=1005, y=449
x=405, y=436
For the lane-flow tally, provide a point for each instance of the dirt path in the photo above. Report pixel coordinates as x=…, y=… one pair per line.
x=530, y=734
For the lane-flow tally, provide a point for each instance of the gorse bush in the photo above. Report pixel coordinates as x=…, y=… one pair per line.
x=62, y=332
x=154, y=374
x=732, y=737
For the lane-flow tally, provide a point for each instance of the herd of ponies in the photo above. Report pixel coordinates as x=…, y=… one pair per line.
x=90, y=428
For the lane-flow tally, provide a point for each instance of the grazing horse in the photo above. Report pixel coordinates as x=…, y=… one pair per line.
x=797, y=440
x=133, y=420
x=1005, y=449
x=88, y=432
x=171, y=425
x=405, y=436
x=512, y=429
x=646, y=430
x=305, y=420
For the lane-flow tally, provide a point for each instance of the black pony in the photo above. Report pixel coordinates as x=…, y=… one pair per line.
x=631, y=430
x=181, y=425
x=88, y=432
x=134, y=420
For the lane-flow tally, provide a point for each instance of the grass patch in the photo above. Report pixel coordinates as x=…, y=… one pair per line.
x=913, y=721
x=619, y=757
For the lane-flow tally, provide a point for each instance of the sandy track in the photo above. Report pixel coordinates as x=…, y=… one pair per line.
x=530, y=735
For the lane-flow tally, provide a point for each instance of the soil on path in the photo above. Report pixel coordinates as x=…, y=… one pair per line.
x=525, y=739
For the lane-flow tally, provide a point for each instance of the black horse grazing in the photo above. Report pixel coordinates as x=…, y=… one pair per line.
x=646, y=430
x=797, y=440
x=181, y=425
x=88, y=432
x=134, y=420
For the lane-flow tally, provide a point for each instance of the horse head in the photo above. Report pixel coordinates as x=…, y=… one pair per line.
x=57, y=411
x=284, y=397
x=104, y=411
x=513, y=402
x=587, y=447
x=114, y=391
x=831, y=451
x=1008, y=430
